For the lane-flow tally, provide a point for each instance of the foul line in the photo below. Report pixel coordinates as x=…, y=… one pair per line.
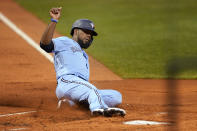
x=19, y=113
x=28, y=39
x=17, y=129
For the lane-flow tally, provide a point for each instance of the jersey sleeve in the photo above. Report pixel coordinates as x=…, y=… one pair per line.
x=61, y=44
x=48, y=48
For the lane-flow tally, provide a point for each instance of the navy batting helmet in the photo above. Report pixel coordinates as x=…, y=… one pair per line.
x=83, y=24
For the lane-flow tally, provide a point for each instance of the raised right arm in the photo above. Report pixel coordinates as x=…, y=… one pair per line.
x=46, y=39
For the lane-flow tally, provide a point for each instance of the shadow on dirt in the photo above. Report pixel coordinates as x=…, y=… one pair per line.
x=175, y=67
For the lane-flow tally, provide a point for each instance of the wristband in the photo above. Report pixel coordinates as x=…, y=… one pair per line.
x=54, y=20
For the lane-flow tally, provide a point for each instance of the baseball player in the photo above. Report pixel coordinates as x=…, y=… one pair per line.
x=72, y=67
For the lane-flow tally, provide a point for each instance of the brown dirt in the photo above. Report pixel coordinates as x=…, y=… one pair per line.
x=27, y=83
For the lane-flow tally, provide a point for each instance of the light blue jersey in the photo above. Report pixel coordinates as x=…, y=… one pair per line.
x=69, y=58
x=72, y=74
x=72, y=69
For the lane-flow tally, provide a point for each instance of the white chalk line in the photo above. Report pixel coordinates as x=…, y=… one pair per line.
x=31, y=42
x=162, y=113
x=28, y=39
x=18, y=113
x=16, y=129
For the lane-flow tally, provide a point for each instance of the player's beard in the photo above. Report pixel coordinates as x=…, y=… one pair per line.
x=83, y=44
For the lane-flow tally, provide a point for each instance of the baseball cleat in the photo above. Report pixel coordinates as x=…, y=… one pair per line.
x=98, y=112
x=109, y=112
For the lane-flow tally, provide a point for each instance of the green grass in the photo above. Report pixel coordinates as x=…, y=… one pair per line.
x=137, y=38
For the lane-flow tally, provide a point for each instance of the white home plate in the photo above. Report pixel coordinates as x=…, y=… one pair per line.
x=142, y=122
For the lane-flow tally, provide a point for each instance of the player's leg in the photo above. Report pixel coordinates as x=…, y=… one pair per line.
x=111, y=97
x=76, y=89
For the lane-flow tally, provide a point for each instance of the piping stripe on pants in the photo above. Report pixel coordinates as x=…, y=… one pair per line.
x=81, y=83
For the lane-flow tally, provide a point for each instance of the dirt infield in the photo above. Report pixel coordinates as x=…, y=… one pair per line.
x=27, y=86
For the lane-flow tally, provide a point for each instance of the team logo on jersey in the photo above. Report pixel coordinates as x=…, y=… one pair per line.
x=59, y=61
x=75, y=49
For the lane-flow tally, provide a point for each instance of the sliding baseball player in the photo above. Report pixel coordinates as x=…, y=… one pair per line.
x=72, y=67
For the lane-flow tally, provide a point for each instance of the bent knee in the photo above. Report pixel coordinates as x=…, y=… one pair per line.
x=118, y=98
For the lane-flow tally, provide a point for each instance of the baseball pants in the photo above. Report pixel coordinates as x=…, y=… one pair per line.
x=76, y=89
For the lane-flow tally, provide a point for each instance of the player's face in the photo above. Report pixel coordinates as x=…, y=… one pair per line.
x=85, y=38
